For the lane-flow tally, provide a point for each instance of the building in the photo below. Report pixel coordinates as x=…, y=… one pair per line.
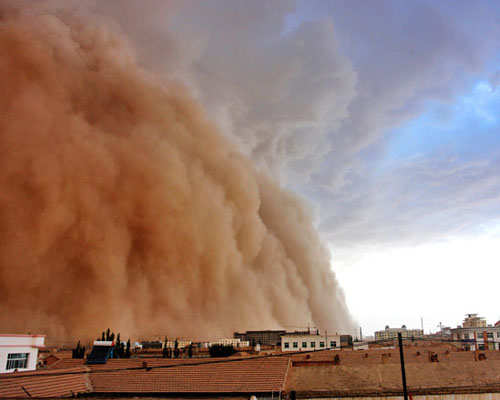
x=392, y=333
x=266, y=338
x=181, y=343
x=361, y=375
x=309, y=342
x=473, y=321
x=474, y=330
x=229, y=342
x=19, y=352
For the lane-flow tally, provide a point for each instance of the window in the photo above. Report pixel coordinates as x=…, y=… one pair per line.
x=333, y=344
x=17, y=360
x=313, y=344
x=287, y=345
x=321, y=344
x=304, y=344
x=295, y=345
x=490, y=335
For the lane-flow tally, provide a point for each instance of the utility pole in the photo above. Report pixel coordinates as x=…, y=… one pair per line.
x=402, y=358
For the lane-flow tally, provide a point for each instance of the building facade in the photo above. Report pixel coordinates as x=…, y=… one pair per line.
x=266, y=338
x=311, y=342
x=475, y=332
x=19, y=352
x=392, y=333
x=236, y=343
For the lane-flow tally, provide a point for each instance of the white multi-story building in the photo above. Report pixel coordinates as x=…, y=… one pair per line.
x=19, y=352
x=392, y=333
x=235, y=342
x=474, y=330
x=308, y=342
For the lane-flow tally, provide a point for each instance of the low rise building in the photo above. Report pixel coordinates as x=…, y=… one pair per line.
x=392, y=333
x=181, y=343
x=235, y=342
x=266, y=338
x=19, y=352
x=310, y=342
x=475, y=332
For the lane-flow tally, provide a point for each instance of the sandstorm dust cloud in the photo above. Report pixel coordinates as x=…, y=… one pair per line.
x=122, y=206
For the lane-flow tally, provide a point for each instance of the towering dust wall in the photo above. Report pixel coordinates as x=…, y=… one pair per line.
x=121, y=205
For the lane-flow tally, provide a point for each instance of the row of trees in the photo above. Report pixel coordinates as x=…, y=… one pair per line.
x=122, y=350
x=168, y=352
x=78, y=352
x=221, y=350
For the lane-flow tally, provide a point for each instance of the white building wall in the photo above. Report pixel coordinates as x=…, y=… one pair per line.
x=305, y=342
x=230, y=342
x=12, y=344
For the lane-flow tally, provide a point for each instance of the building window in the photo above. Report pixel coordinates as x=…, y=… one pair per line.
x=295, y=345
x=17, y=360
x=313, y=344
x=304, y=344
x=287, y=345
x=321, y=344
x=490, y=335
x=333, y=344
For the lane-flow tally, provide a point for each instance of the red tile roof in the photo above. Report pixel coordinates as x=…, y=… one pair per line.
x=136, y=362
x=239, y=376
x=40, y=384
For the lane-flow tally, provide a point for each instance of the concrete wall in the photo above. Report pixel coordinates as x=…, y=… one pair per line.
x=30, y=344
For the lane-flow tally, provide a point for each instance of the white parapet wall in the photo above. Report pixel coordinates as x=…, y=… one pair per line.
x=19, y=352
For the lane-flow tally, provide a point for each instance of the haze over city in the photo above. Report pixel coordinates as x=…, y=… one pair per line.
x=229, y=165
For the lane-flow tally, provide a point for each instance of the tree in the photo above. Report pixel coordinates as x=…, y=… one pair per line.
x=78, y=352
x=127, y=351
x=119, y=348
x=220, y=350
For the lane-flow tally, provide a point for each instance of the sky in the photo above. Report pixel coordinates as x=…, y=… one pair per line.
x=384, y=116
